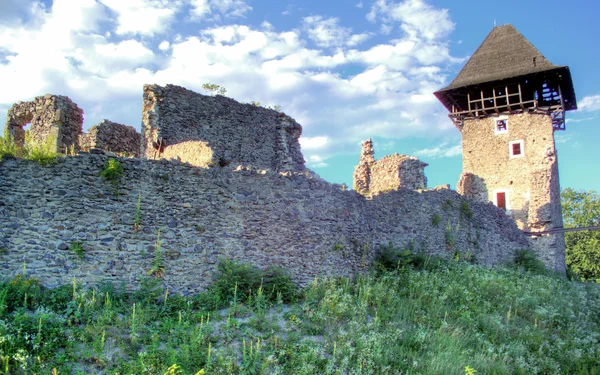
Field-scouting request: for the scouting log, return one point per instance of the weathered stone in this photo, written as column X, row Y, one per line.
column 528, row 183
column 210, row 131
column 54, row 116
column 391, row 172
column 110, row 136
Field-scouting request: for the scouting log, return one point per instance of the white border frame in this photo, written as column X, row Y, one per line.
column 500, row 118
column 510, row 149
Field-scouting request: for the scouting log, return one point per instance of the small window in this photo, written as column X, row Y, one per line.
column 501, row 126
column 501, row 199
column 515, row 149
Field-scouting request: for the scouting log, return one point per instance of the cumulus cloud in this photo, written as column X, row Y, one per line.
column 418, row 19
column 444, row 150
column 327, row 32
column 313, row 143
column 217, row 8
column 146, row 17
column 589, row 103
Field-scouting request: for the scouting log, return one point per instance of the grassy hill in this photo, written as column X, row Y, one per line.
column 427, row 317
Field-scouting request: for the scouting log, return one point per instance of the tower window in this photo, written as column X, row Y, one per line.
column 515, row 149
column 501, row 126
column 501, row 199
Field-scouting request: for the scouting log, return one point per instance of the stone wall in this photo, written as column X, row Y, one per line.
column 51, row 116
column 530, row 182
column 292, row 219
column 215, row 130
column 391, row 172
column 111, row 136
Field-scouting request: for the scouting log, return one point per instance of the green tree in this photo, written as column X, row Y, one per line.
column 214, row 89
column 582, row 209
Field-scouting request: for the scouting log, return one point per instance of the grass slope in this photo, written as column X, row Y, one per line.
column 451, row 318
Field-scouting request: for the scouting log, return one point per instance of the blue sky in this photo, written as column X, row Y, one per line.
column 345, row 70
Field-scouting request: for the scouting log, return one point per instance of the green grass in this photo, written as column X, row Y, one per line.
column 453, row 318
column 44, row 153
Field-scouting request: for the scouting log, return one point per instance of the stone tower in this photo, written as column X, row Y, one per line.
column 508, row 101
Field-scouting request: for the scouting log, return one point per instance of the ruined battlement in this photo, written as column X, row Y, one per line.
column 391, row 172
column 53, row 117
column 204, row 131
column 111, row 136
column 218, row 178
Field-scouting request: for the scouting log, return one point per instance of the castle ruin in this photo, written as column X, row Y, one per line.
column 113, row 137
column 391, row 172
column 52, row 117
column 215, row 130
column 221, row 179
column 507, row 101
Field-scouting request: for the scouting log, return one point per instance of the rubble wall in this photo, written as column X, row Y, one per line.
column 228, row 131
column 52, row 117
column 391, row 172
column 112, row 136
column 292, row 219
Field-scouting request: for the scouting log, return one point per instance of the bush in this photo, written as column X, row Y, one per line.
column 528, row 260
column 113, row 170
column 389, row 258
column 239, row 281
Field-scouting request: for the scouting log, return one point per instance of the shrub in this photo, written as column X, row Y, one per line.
column 113, row 170
column 390, row 258
column 77, row 249
column 7, row 148
column 43, row 153
column 235, row 280
column 528, row 260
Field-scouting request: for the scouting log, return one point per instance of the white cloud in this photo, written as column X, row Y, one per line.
column 313, row 143
column 216, row 8
column 316, row 161
column 444, row 150
column 146, row 17
column 417, row 18
column 589, row 103
column 164, row 45
column 328, row 32
column 130, row 50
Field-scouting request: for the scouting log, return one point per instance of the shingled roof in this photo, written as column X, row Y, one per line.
column 505, row 53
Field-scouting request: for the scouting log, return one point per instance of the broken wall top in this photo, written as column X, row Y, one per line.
column 49, row 115
column 208, row 130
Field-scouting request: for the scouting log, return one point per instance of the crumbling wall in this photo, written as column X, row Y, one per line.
column 391, row 172
column 215, row 130
column 52, row 117
column 530, row 182
column 111, row 136
column 292, row 219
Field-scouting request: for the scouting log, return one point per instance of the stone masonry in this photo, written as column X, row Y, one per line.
column 251, row 200
column 529, row 182
column 111, row 136
column 215, row 130
column 292, row 219
column 53, row 117
column 391, row 172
